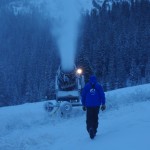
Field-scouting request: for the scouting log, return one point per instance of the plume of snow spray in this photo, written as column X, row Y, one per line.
column 66, row 18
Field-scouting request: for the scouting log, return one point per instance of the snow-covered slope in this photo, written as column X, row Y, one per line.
column 29, row 127
column 26, row 6
column 127, row 96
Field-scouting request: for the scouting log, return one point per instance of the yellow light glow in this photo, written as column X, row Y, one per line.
column 79, row 71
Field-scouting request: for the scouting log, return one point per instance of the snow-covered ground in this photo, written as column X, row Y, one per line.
column 125, row 125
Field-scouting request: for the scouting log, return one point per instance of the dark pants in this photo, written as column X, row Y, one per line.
column 92, row 118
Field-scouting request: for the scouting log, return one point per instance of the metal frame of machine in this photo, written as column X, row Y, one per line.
column 68, row 86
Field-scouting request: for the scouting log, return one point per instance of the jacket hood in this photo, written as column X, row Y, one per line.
column 93, row 79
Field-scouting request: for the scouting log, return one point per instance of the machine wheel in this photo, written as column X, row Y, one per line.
column 50, row 107
column 65, row 107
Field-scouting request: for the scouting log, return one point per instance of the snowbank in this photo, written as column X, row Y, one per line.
column 127, row 96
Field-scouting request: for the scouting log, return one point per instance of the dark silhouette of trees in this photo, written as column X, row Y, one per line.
column 113, row 44
column 119, row 48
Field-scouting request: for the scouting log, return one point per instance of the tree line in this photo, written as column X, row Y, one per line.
column 113, row 44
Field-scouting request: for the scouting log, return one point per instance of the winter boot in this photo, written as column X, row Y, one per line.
column 92, row 133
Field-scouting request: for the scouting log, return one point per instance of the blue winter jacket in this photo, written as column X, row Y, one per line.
column 90, row 99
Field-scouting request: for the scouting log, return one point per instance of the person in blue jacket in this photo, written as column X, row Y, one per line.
column 93, row 98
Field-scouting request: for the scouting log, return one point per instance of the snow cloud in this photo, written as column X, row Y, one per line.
column 66, row 18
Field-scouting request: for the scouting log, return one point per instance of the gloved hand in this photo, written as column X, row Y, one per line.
column 103, row 107
column 84, row 108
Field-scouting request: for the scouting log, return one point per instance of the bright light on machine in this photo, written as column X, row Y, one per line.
column 79, row 71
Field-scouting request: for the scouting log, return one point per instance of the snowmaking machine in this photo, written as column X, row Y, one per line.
column 68, row 86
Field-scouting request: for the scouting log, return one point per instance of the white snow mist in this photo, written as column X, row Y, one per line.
column 66, row 18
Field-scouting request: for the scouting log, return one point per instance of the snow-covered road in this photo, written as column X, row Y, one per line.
column 125, row 127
